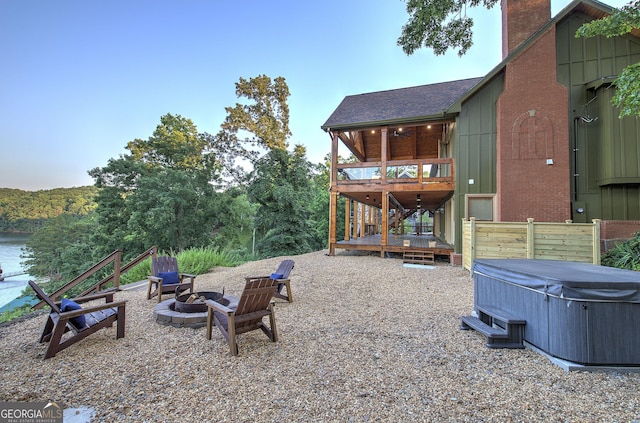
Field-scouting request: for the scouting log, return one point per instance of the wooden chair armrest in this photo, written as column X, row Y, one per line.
column 187, row 275
column 219, row 307
column 74, row 313
column 154, row 279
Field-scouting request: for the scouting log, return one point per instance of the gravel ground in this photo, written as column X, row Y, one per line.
column 365, row 340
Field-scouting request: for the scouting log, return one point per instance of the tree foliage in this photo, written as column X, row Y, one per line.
column 280, row 184
column 61, row 247
column 160, row 194
column 620, row 22
column 265, row 120
column 27, row 211
column 439, row 25
column 171, row 190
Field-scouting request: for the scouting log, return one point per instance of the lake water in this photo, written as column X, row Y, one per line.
column 10, row 249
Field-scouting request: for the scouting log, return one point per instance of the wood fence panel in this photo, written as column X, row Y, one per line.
column 545, row 240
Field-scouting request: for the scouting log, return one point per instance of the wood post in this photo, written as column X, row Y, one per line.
column 347, row 219
column 530, row 238
column 385, row 221
column 596, row 241
column 333, row 208
column 363, row 220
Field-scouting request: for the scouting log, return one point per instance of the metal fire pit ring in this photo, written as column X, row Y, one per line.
column 180, row 304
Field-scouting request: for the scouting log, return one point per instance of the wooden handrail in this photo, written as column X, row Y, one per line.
column 114, row 257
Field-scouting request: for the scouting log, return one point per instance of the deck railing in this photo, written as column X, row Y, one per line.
column 397, row 171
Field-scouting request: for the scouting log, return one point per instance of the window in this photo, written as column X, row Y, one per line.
column 480, row 206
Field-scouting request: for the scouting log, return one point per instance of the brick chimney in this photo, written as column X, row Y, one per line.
column 520, row 20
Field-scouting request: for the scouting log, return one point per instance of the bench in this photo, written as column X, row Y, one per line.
column 502, row 329
column 418, row 257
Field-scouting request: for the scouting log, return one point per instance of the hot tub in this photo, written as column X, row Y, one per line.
column 580, row 312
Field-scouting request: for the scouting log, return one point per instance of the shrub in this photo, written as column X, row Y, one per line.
column 625, row 255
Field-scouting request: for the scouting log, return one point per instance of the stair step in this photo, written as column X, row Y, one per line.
column 480, row 326
column 501, row 315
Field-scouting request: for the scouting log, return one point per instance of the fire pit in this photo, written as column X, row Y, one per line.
column 188, row 310
column 195, row 303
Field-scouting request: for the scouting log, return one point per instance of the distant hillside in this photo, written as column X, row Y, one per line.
column 26, row 211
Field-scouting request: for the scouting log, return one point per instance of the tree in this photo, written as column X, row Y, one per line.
column 440, row 25
column 280, row 184
column 443, row 24
column 266, row 120
column 60, row 247
column 160, row 194
column 620, row 22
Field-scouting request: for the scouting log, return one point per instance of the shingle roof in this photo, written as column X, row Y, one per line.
column 397, row 105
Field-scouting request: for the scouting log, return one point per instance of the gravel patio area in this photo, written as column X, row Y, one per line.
column 365, row 340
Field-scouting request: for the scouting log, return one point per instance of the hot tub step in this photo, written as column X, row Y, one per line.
column 496, row 336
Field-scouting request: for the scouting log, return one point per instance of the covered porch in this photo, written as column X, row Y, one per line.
column 398, row 166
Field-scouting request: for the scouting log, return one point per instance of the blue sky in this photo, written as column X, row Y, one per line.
column 79, row 79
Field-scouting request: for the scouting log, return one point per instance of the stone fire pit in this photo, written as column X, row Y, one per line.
column 188, row 310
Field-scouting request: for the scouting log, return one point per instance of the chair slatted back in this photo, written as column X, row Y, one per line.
column 285, row 268
column 256, row 296
column 44, row 297
column 164, row 264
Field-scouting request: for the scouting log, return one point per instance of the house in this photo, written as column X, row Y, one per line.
column 535, row 137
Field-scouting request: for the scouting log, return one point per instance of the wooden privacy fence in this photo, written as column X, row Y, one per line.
column 533, row 240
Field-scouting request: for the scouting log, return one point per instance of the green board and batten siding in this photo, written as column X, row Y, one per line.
column 474, row 148
column 606, row 151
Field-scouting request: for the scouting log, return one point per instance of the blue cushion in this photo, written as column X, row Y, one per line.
column 169, row 278
column 276, row 276
column 68, row 305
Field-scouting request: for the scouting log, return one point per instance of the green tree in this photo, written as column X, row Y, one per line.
column 27, row 211
column 439, row 25
column 160, row 194
column 280, row 185
column 620, row 22
column 235, row 227
column 265, row 119
column 444, row 24
column 60, row 247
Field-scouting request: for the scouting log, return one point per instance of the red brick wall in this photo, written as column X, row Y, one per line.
column 533, row 127
column 612, row 231
column 520, row 20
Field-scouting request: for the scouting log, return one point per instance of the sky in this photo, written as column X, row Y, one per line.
column 80, row 79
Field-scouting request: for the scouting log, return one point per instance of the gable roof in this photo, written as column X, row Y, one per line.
column 402, row 105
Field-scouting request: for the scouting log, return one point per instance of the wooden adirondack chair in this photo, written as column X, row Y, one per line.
column 283, row 271
column 96, row 317
column 245, row 314
column 158, row 284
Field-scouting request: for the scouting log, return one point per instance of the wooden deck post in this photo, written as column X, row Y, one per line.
column 383, row 158
column 385, row 222
column 355, row 220
column 363, row 220
column 333, row 207
column 347, row 219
